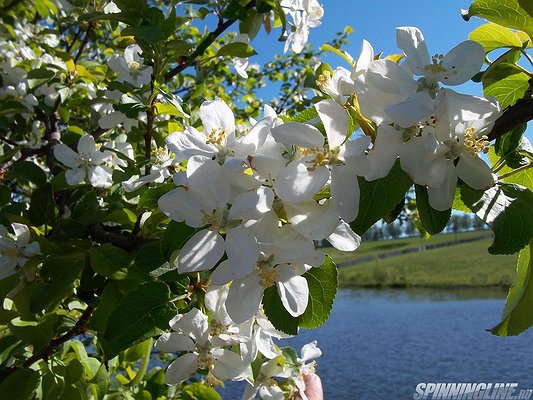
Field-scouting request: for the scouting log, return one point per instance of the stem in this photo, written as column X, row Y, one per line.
column 515, row 171
column 184, row 62
column 144, row 365
column 77, row 329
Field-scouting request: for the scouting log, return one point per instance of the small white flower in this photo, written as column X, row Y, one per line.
column 87, row 163
column 453, row 68
column 15, row 249
column 192, row 336
column 130, row 67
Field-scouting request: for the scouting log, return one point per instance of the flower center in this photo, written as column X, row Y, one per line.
column 436, row 65
column 206, row 361
column 85, row 160
column 323, row 156
column 474, row 144
column 217, row 137
column 217, row 328
column 12, row 252
column 216, row 219
column 161, row 154
column 134, row 66
column 268, row 275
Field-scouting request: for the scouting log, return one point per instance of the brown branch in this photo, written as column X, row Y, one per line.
column 185, row 62
column 76, row 330
column 514, row 116
column 124, row 241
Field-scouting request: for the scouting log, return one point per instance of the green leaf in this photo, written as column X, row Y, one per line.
column 199, row 391
column 506, row 83
column 20, row 384
column 58, row 275
column 493, row 36
column 8, row 344
column 517, row 315
column 27, row 171
column 150, row 196
column 508, row 210
column 36, row 333
column 433, row 221
column 42, row 206
column 276, row 312
column 175, row 236
column 508, row 142
column 143, row 312
column 323, row 283
column 522, row 177
column 380, row 197
column 108, row 303
column 251, row 24
column 110, row 261
column 236, row 49
column 151, row 262
column 510, row 13
column 38, row 77
column 87, row 210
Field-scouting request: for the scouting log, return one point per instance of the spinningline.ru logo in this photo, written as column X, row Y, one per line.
column 476, row 391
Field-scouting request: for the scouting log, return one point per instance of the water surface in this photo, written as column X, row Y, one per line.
column 379, row 344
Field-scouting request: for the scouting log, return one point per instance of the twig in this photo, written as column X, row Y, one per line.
column 76, row 330
column 126, row 242
column 184, row 62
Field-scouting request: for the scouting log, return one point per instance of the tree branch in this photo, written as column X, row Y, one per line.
column 184, row 62
column 76, row 330
column 124, row 241
column 515, row 115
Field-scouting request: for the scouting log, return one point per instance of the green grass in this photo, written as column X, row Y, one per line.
column 460, row 265
column 382, row 246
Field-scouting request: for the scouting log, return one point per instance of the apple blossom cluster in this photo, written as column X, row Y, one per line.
column 212, row 342
column 436, row 132
column 305, row 14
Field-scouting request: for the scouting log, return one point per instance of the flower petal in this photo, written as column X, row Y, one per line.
column 345, row 192
column 344, row 238
column 335, row 120
column 86, row 145
column 174, row 342
column 201, row 252
column 293, row 290
column 242, row 250
column 229, row 365
column 298, row 134
column 216, row 115
column 181, row 369
column 462, row 62
column 411, row 41
column 296, row 183
column 312, row 220
column 66, row 155
column 248, row 288
column 75, row 176
column 474, row 172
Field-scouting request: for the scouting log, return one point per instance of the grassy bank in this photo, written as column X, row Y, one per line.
column 459, row 265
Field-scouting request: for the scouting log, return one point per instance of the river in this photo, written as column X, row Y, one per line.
column 379, row 344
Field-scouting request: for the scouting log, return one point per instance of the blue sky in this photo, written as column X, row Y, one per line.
column 376, row 21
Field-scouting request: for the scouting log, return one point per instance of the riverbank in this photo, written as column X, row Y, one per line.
column 462, row 261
